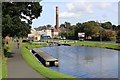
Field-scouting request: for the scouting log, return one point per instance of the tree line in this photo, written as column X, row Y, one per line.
column 93, row 30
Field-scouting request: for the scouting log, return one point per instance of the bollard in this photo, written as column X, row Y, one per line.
column 56, row 63
column 47, row 63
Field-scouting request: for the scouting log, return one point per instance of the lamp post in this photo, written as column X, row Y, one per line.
column 100, row 32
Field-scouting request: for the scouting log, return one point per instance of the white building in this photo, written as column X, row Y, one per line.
column 35, row 35
column 46, row 33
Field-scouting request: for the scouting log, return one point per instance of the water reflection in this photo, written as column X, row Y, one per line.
column 85, row 62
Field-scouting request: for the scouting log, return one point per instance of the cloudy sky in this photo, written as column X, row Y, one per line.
column 77, row 11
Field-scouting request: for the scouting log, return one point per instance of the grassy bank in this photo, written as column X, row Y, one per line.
column 107, row 45
column 7, row 51
column 4, row 67
column 31, row 60
column 97, row 44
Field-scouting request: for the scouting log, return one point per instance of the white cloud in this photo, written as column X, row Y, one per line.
column 103, row 5
column 76, row 9
column 69, row 15
column 70, row 6
column 80, row 0
column 80, row 7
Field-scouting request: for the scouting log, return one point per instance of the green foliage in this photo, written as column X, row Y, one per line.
column 118, row 34
column 91, row 29
column 12, row 15
column 107, row 35
column 7, row 49
column 7, row 53
column 4, row 67
column 107, row 25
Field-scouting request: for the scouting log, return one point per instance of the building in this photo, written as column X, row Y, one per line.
column 46, row 33
column 35, row 35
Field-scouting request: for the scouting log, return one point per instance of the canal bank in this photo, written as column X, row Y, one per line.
column 30, row 59
column 53, row 75
column 114, row 46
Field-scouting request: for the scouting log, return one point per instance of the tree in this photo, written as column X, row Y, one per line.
column 107, row 35
column 114, row 27
column 14, row 12
column 91, row 28
column 62, row 29
column 48, row 26
column 118, row 34
column 107, row 25
column 118, row 28
column 78, row 28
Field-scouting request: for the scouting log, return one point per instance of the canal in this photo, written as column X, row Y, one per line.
column 85, row 62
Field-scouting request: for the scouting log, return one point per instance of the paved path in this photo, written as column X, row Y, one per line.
column 18, row 68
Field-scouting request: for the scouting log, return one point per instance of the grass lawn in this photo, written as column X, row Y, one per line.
column 91, row 44
column 97, row 44
column 4, row 60
column 31, row 60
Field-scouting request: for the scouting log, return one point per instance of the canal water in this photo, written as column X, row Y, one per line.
column 85, row 62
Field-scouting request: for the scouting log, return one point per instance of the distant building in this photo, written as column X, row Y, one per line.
column 35, row 35
column 55, row 33
column 46, row 33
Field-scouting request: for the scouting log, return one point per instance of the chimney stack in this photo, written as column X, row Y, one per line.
column 57, row 19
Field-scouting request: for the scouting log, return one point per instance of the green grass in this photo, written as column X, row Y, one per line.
column 31, row 60
column 4, row 67
column 4, row 59
column 97, row 44
column 31, row 45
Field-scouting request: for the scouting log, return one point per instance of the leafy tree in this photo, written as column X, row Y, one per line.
column 107, row 34
column 107, row 25
column 14, row 12
column 118, row 34
column 62, row 28
column 67, row 25
column 118, row 27
column 48, row 26
column 114, row 27
column 90, row 28
column 78, row 28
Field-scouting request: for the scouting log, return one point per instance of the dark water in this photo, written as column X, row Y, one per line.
column 85, row 62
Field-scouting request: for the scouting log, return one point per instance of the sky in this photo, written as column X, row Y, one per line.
column 77, row 11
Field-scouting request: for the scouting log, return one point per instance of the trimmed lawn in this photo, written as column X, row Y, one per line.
column 97, row 44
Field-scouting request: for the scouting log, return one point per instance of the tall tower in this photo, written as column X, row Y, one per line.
column 57, row 19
